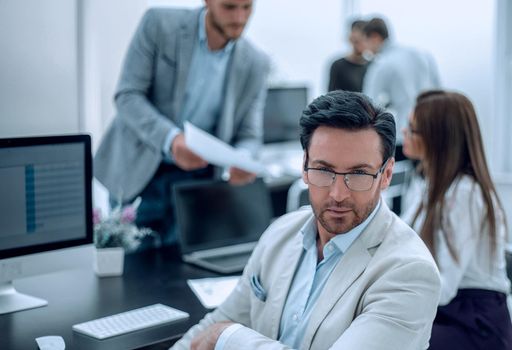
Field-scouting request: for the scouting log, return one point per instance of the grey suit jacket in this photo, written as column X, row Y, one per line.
column 150, row 93
column 382, row 294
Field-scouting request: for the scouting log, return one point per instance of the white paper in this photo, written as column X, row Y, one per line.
column 219, row 153
column 212, row 292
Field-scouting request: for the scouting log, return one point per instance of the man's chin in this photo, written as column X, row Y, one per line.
column 338, row 226
column 233, row 35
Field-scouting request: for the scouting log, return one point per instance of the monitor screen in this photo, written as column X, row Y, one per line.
column 45, row 193
column 45, row 211
column 283, row 108
column 213, row 214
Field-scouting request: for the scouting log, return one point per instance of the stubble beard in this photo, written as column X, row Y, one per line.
column 342, row 225
column 219, row 28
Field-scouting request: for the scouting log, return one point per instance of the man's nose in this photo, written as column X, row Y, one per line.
column 240, row 16
column 339, row 190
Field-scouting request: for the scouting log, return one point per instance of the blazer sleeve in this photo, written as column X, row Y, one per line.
column 396, row 310
column 135, row 82
column 249, row 134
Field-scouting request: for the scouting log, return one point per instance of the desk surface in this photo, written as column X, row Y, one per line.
column 76, row 296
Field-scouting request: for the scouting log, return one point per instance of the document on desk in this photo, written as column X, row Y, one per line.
column 212, row 292
column 219, row 153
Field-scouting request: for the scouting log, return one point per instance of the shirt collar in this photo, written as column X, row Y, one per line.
column 203, row 40
column 343, row 241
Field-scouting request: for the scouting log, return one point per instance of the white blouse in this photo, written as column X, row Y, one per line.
column 464, row 212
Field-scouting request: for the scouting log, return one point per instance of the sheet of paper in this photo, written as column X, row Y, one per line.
column 212, row 292
column 219, row 153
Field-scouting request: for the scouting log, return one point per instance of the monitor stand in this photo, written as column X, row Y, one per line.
column 11, row 300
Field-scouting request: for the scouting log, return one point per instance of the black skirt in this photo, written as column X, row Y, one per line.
column 474, row 319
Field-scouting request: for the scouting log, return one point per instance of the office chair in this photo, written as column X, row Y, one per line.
column 399, row 185
column 298, row 195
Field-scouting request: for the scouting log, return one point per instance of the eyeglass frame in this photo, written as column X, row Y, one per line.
column 411, row 130
column 335, row 174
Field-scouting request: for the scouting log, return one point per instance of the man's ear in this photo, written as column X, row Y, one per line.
column 387, row 174
column 304, row 173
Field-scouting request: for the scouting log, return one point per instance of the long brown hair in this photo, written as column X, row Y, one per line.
column 448, row 126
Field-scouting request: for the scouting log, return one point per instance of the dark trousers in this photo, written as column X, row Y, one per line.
column 156, row 209
column 475, row 319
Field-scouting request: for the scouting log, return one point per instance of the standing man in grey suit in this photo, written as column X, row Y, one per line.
column 182, row 65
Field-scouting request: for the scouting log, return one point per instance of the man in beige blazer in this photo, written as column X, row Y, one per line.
column 345, row 273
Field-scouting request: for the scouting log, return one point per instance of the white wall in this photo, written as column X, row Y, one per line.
column 38, row 67
column 302, row 37
column 105, row 36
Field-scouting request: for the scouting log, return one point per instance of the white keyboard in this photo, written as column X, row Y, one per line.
column 130, row 321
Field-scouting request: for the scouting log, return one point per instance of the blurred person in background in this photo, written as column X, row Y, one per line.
column 347, row 72
column 396, row 75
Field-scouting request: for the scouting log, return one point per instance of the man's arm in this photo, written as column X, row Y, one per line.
column 249, row 132
column 135, row 82
column 397, row 312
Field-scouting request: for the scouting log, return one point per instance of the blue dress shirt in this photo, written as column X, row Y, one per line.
column 205, row 86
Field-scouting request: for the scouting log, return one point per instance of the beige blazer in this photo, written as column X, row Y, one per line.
column 383, row 293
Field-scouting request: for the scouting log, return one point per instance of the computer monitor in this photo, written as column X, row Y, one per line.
column 45, row 211
column 283, row 108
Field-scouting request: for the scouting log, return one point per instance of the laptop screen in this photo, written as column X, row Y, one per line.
column 214, row 214
column 283, row 109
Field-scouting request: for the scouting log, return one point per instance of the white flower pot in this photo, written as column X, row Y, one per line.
column 108, row 262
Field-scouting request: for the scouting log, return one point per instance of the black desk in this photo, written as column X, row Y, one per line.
column 76, row 296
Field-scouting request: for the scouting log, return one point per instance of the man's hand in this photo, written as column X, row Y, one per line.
column 207, row 339
column 184, row 157
column 240, row 177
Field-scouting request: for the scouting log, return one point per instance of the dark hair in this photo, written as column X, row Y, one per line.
column 448, row 126
column 376, row 26
column 351, row 111
column 358, row 24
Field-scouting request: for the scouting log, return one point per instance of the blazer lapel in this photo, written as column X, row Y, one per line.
column 232, row 84
column 351, row 265
column 283, row 283
column 187, row 38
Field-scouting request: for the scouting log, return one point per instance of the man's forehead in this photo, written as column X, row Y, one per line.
column 346, row 148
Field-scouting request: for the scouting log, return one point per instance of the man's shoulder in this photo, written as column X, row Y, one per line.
column 252, row 53
column 403, row 245
column 167, row 17
column 288, row 224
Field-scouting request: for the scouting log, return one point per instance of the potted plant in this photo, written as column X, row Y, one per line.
column 113, row 236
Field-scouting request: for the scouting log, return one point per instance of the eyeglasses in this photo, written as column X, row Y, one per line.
column 411, row 130
column 355, row 181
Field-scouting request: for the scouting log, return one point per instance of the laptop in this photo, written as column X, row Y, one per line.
column 219, row 224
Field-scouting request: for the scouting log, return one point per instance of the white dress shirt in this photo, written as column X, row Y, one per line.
column 477, row 267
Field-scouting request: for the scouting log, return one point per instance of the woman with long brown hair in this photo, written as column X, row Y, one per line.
column 461, row 220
